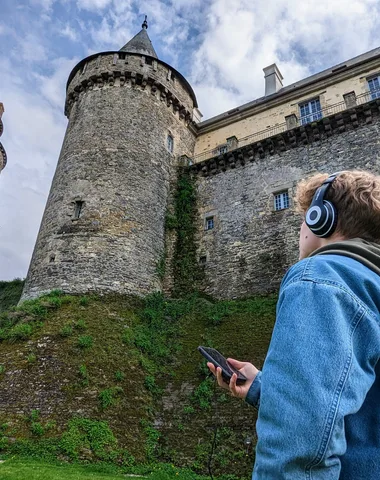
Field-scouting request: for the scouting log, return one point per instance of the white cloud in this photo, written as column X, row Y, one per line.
column 45, row 4
column 243, row 37
column 93, row 5
column 69, row 33
column 53, row 87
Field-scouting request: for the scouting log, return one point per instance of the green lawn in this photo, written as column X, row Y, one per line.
column 31, row 470
column 25, row 469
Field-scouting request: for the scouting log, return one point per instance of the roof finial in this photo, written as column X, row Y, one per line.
column 145, row 24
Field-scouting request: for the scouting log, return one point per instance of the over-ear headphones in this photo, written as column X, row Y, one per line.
column 322, row 216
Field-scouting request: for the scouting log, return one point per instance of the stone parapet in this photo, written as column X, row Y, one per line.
column 125, row 70
column 303, row 135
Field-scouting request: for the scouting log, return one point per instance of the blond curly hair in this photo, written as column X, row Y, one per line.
column 356, row 196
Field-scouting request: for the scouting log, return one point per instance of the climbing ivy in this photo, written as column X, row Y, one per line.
column 187, row 273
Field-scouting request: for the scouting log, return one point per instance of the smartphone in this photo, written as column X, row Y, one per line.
column 218, row 360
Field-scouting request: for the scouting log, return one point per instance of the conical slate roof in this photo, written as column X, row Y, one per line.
column 140, row 43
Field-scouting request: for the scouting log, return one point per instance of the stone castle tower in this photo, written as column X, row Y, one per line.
column 130, row 116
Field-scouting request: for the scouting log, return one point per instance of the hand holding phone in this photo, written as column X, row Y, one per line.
column 218, row 360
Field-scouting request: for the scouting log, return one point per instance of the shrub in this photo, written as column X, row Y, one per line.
column 151, row 385
column 188, row 409
column 37, row 429
column 108, row 397
column 80, row 325
column 66, row 331
column 33, row 307
column 2, row 369
column 119, row 376
column 55, row 293
column 203, row 394
column 128, row 336
column 34, row 415
column 83, row 373
column 31, row 358
column 84, row 301
column 85, row 341
column 21, row 331
column 83, row 433
column 55, row 302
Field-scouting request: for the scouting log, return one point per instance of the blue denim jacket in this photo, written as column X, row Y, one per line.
column 318, row 394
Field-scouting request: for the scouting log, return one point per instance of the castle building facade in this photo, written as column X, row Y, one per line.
column 133, row 120
column 3, row 155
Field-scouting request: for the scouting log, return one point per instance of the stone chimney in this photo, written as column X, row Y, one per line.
column 273, row 79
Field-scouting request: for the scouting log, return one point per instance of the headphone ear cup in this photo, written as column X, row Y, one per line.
column 322, row 222
column 331, row 221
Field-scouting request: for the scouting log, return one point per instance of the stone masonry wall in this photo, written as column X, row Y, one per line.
column 115, row 160
column 251, row 245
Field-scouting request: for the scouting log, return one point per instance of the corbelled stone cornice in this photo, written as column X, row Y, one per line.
column 303, row 135
column 125, row 78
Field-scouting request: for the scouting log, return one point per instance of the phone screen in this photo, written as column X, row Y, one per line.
column 217, row 359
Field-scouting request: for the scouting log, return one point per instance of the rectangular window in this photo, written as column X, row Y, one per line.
column 209, row 225
column 202, row 260
column 281, row 200
column 122, row 56
column 310, row 111
column 148, row 61
column 170, row 143
column 78, row 208
column 221, row 149
column 374, row 87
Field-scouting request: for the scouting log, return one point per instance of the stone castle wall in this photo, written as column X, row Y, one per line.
column 251, row 245
column 115, row 160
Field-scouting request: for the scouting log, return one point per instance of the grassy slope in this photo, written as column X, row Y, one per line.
column 10, row 293
column 162, row 386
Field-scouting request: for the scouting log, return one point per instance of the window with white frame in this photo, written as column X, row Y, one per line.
column 310, row 111
column 170, row 143
column 209, row 223
column 374, row 87
column 281, row 200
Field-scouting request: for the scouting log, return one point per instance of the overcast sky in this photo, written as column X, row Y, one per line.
column 220, row 46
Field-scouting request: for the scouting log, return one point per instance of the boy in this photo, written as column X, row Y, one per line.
column 318, row 396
